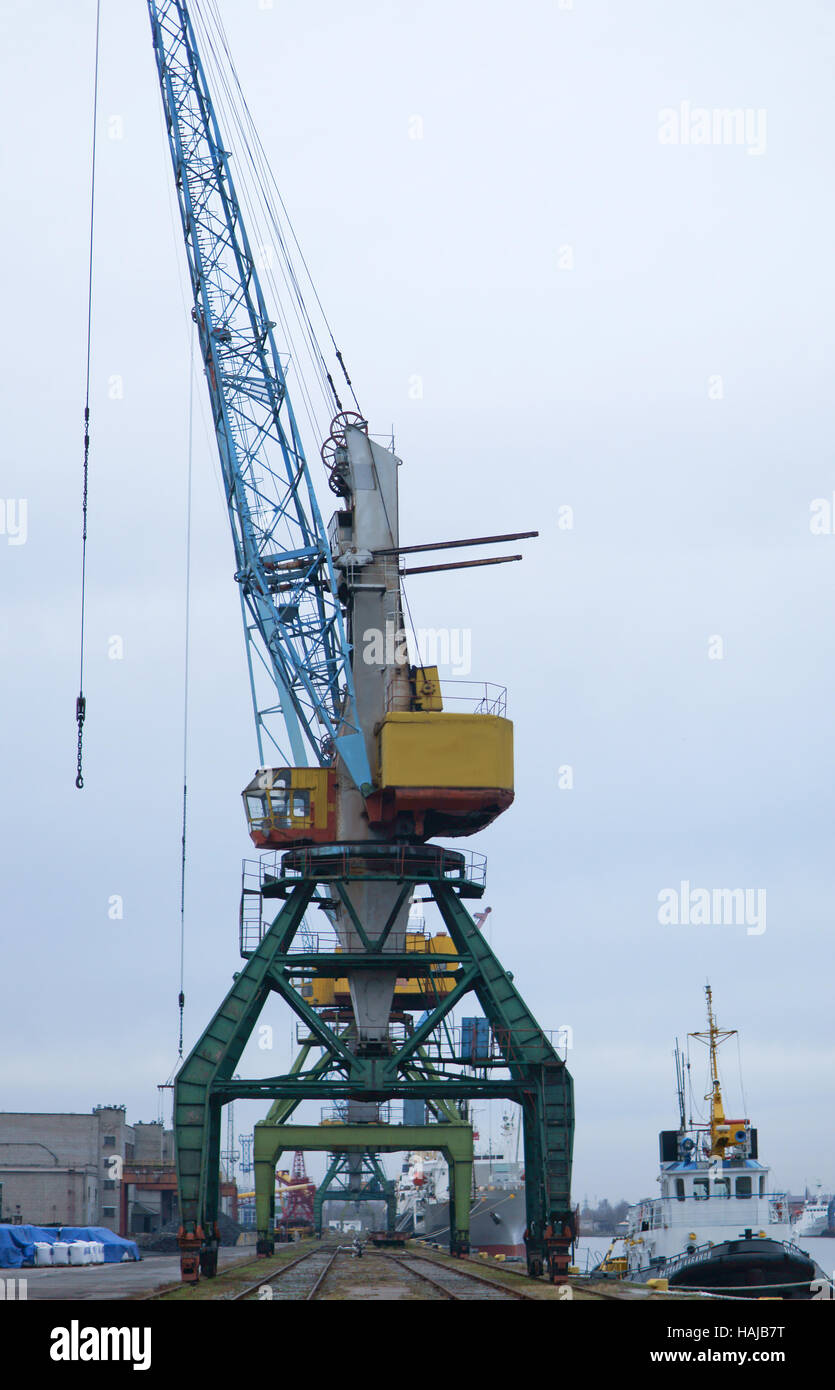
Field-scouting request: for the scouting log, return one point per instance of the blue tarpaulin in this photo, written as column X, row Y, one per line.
column 17, row 1243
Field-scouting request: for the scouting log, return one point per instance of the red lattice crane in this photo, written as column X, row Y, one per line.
column 299, row 1191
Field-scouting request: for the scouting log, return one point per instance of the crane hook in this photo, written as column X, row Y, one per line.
column 80, row 711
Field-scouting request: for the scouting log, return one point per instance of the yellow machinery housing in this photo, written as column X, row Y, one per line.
column 426, row 686
column 442, row 773
column 417, row 992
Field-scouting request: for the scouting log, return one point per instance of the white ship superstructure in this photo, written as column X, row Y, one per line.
column 497, row 1213
column 705, row 1201
column 423, row 1182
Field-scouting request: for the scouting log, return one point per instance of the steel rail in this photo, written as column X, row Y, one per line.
column 396, row 1260
column 315, row 1290
column 503, row 1289
column 278, row 1273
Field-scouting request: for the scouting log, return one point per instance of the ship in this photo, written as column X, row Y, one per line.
column 718, row 1225
column 497, row 1212
column 816, row 1216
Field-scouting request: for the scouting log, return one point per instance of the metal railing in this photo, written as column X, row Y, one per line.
column 371, row 860
column 255, row 918
column 338, row 1114
column 483, row 697
column 479, row 697
column 503, row 1045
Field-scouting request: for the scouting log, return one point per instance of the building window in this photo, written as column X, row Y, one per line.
column 109, row 1141
column 680, row 1189
column 108, row 1211
column 743, row 1187
column 109, row 1185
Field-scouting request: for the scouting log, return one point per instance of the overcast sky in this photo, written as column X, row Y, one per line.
column 606, row 311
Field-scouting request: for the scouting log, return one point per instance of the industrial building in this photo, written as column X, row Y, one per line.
column 86, row 1170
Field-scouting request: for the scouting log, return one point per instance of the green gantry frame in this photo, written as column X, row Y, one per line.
column 532, row 1072
column 355, row 1177
column 454, row 1141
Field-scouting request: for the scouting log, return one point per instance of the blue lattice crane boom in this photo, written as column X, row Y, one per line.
column 292, row 615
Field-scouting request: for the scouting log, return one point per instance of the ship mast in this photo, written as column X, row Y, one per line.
column 682, row 1110
column 720, row 1133
column 717, row 1112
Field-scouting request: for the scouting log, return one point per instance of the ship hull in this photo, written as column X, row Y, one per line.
column 497, row 1223
column 809, row 1228
column 754, row 1268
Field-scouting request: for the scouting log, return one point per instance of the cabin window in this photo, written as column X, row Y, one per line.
column 301, row 804
column 721, row 1187
column 256, row 807
column 743, row 1187
column 762, row 1185
column 700, row 1191
column 680, row 1189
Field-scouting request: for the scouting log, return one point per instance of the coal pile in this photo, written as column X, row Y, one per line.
column 165, row 1241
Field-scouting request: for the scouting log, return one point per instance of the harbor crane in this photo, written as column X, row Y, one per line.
column 362, row 765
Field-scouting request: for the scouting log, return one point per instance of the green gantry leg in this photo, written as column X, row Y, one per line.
column 322, row 1190
column 197, row 1113
column 546, row 1093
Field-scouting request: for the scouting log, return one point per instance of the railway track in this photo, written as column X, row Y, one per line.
column 300, row 1280
column 458, row 1284
column 305, row 1278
